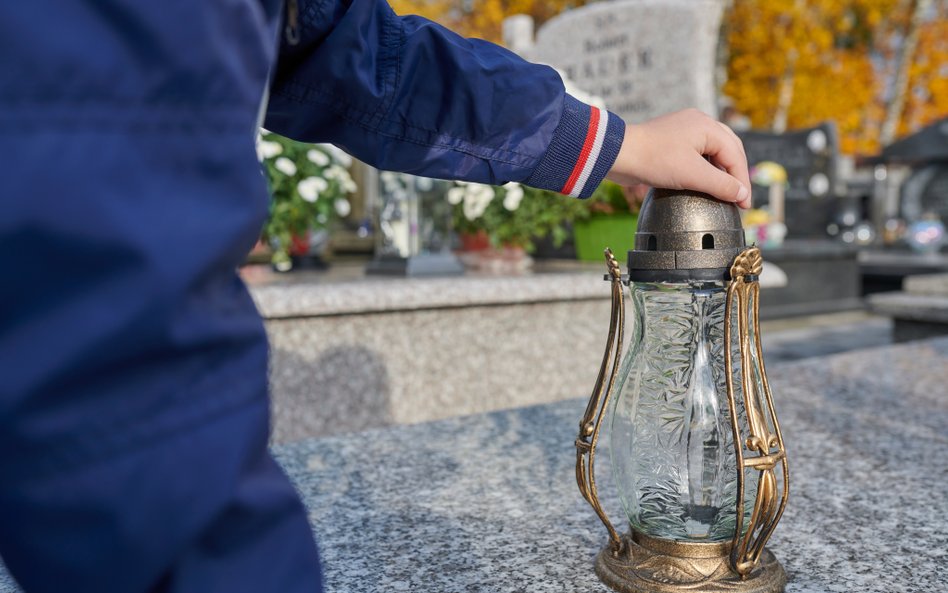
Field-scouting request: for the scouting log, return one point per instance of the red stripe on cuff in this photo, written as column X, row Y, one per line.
column 584, row 153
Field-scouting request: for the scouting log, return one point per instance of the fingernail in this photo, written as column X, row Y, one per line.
column 743, row 194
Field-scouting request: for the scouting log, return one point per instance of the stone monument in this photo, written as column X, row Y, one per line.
column 810, row 157
column 642, row 57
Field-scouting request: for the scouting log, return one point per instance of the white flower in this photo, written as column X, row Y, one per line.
column 267, row 149
column 343, row 208
column 285, row 166
column 317, row 157
column 310, row 188
column 424, row 183
column 455, row 195
column 477, row 197
column 513, row 196
column 336, row 172
column 283, row 265
column 345, row 180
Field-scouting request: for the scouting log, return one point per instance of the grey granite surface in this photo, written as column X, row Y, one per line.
column 797, row 338
column 368, row 295
column 904, row 305
column 924, row 298
column 927, row 284
column 336, row 374
column 895, row 260
column 488, row 503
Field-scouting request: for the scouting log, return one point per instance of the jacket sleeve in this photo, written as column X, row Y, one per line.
column 405, row 94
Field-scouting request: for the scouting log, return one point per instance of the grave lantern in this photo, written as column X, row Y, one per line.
column 697, row 453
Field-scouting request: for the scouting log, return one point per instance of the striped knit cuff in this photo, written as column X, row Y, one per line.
column 585, row 145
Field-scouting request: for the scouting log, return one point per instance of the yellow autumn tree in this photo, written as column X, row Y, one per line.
column 482, row 18
column 927, row 98
column 795, row 63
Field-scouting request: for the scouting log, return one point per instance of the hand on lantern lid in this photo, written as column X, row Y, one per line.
column 685, row 150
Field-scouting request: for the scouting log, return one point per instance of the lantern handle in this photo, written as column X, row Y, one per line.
column 591, row 422
column 765, row 451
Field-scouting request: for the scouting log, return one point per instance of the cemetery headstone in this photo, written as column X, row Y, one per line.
column 809, row 157
column 925, row 192
column 644, row 58
column 517, row 32
column 927, row 145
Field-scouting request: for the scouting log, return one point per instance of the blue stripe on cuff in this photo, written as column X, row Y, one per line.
column 561, row 155
column 615, row 132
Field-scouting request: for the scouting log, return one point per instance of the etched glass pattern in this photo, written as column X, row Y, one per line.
column 671, row 437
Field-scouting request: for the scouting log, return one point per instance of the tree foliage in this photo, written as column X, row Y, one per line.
column 928, row 75
column 482, row 18
column 806, row 61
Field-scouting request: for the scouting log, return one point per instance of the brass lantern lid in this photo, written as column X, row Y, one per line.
column 684, row 236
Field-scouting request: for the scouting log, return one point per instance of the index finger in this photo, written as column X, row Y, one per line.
column 727, row 152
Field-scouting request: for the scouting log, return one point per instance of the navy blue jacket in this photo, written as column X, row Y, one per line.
column 133, row 407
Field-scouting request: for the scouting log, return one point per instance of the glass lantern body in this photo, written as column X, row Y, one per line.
column 672, row 441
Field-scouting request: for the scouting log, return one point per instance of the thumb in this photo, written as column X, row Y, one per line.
column 707, row 178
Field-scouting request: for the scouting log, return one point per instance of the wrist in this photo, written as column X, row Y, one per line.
column 623, row 170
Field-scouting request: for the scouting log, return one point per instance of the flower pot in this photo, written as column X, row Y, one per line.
column 299, row 245
column 478, row 241
column 592, row 236
column 306, row 251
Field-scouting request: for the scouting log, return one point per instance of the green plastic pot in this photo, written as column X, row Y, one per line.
column 616, row 231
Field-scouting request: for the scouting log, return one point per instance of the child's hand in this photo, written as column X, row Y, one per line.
column 669, row 151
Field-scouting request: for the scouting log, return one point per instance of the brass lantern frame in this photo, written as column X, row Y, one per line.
column 637, row 563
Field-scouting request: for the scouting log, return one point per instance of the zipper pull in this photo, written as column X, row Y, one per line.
column 292, row 30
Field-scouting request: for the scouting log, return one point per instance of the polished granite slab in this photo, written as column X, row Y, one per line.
column 488, row 503
column 345, row 290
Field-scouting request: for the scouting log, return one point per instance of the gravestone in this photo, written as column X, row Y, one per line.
column 926, row 192
column 926, row 189
column 810, row 159
column 518, row 33
column 644, row 58
column 927, row 145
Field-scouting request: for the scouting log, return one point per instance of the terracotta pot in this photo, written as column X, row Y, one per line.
column 299, row 244
column 478, row 241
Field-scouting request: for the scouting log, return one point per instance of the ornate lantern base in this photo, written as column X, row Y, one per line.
column 651, row 565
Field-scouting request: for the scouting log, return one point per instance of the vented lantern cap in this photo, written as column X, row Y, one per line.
column 684, row 236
